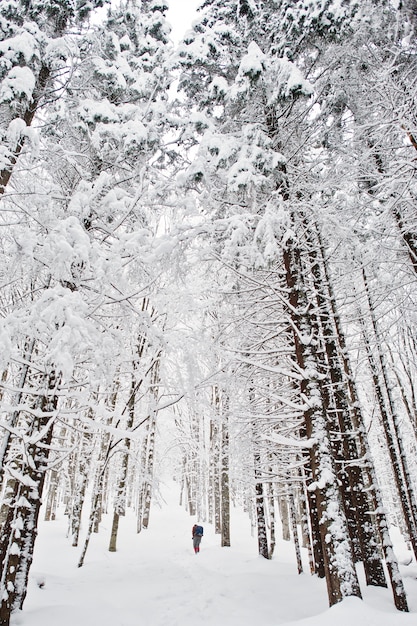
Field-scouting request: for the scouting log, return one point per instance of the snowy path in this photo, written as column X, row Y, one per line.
column 155, row 579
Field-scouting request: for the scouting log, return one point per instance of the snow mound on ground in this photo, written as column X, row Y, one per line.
column 354, row 612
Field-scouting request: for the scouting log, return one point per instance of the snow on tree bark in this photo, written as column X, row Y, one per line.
column 339, row 566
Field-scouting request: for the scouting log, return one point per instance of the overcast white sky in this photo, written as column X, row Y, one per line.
column 181, row 14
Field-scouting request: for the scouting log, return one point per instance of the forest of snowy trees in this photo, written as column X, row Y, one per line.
column 209, row 252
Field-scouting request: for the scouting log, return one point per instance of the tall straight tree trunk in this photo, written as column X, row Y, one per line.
column 215, row 456
column 339, row 566
column 362, row 532
column 202, row 469
column 120, row 499
column 312, row 514
column 6, row 438
column 225, row 487
column 20, row 528
column 190, row 486
column 376, row 508
column 260, row 496
column 285, row 518
column 80, row 480
column 391, row 427
column 53, row 483
column 307, row 538
column 263, row 548
column 271, row 506
column 147, row 493
column 52, row 499
column 95, row 504
column 142, row 486
column 294, row 528
column 191, row 468
column 150, row 460
column 99, row 480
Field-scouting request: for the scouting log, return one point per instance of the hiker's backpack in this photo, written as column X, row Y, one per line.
column 199, row 531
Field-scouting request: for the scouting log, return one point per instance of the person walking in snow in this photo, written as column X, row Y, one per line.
column 197, row 533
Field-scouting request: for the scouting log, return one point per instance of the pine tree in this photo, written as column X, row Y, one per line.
column 253, row 134
column 35, row 51
column 86, row 225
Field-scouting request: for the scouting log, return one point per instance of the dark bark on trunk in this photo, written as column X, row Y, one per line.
column 215, row 462
column 260, row 514
column 189, row 482
column 375, row 511
column 362, row 532
column 41, row 83
column 294, row 528
column 150, row 460
column 225, row 487
column 94, row 512
column 6, row 439
column 307, row 538
column 271, row 506
column 120, row 499
column 391, row 427
column 20, row 529
column 311, row 511
column 339, row 567
column 409, row 237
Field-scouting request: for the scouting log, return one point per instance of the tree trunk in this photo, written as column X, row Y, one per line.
column 295, row 532
column 271, row 506
column 94, row 510
column 215, row 455
column 375, row 509
column 260, row 499
column 51, row 502
column 391, row 427
column 260, row 517
column 99, row 481
column 285, row 518
column 150, row 460
column 6, row 438
column 307, row 541
column 120, row 498
column 339, row 566
column 20, row 528
column 225, row 487
column 29, row 114
column 356, row 502
column 80, row 481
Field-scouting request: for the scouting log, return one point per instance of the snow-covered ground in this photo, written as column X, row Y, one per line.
column 155, row 579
